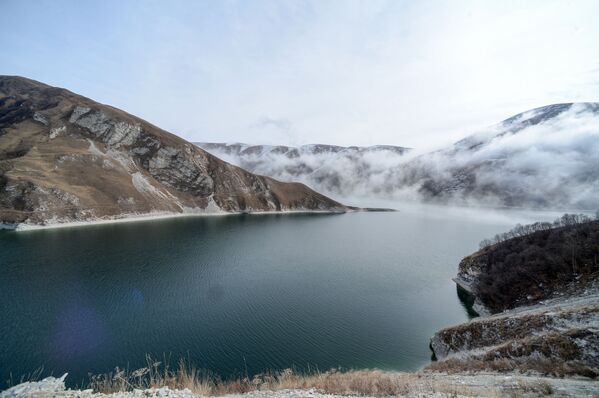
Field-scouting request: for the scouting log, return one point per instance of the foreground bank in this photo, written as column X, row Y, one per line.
column 538, row 288
column 331, row 384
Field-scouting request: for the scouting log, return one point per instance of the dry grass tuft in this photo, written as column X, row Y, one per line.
column 159, row 374
column 34, row 376
column 377, row 383
column 356, row 382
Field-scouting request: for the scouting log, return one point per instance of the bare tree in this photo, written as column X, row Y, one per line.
column 523, row 230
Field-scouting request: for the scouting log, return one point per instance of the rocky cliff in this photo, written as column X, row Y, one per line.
column 557, row 338
column 66, row 158
column 544, row 291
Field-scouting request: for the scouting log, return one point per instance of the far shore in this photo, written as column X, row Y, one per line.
column 20, row 227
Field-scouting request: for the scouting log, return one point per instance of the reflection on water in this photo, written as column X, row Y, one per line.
column 467, row 301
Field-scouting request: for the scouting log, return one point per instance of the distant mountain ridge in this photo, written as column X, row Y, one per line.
column 547, row 157
column 66, row 158
column 516, row 123
column 341, row 171
column 241, row 149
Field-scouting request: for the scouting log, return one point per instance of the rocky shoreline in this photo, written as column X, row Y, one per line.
column 549, row 327
column 126, row 218
column 559, row 338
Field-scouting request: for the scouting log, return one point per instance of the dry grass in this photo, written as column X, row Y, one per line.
column 554, row 354
column 355, row 382
column 523, row 365
column 36, row 375
column 156, row 375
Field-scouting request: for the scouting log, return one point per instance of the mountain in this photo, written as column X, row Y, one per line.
column 340, row 171
column 66, row 158
column 547, row 157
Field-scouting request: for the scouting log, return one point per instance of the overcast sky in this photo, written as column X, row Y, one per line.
column 411, row 73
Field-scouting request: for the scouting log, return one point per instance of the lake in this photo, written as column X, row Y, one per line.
column 238, row 294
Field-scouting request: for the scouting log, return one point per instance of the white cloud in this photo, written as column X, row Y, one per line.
column 551, row 164
column 418, row 74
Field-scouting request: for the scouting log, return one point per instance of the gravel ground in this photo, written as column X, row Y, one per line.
column 489, row 385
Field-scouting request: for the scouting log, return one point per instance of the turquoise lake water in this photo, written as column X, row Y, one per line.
column 237, row 294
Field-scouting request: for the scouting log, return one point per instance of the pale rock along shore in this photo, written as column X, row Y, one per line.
column 126, row 218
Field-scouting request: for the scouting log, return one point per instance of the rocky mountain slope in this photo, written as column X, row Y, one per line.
column 66, row 158
column 339, row 171
column 544, row 291
column 546, row 158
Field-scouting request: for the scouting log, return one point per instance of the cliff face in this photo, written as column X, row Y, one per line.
column 558, row 338
column 547, row 285
column 469, row 271
column 64, row 157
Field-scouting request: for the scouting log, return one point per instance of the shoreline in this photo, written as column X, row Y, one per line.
column 23, row 227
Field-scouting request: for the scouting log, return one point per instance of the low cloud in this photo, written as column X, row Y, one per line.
column 554, row 163
column 270, row 129
column 544, row 158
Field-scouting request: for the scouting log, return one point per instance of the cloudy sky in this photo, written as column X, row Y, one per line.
column 411, row 73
